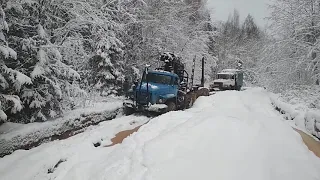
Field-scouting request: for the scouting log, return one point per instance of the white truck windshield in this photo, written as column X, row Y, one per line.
column 225, row 76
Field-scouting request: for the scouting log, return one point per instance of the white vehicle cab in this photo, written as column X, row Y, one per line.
column 228, row 79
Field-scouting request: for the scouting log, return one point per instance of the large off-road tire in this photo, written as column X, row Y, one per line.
column 203, row 92
column 190, row 103
column 190, row 99
column 171, row 106
column 128, row 111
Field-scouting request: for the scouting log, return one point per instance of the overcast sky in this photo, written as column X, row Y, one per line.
column 257, row 8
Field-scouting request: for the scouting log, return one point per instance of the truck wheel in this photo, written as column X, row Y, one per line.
column 171, row 106
column 190, row 103
column 128, row 111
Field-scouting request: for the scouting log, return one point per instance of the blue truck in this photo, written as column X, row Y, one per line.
column 164, row 89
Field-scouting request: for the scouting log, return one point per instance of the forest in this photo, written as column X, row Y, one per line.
column 54, row 53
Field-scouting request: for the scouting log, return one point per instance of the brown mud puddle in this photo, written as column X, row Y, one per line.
column 118, row 139
column 311, row 143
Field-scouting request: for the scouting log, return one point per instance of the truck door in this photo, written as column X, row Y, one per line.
column 175, row 85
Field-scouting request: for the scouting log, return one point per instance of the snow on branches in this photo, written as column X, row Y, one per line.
column 291, row 56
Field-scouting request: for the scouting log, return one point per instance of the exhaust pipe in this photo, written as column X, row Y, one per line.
column 202, row 76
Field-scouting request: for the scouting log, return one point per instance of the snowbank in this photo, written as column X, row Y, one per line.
column 25, row 136
column 306, row 119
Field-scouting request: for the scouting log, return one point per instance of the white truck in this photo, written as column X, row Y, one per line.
column 228, row 79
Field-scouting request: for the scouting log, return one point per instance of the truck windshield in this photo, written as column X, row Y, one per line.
column 157, row 78
column 225, row 76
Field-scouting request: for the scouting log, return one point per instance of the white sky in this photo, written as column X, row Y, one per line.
column 257, row 8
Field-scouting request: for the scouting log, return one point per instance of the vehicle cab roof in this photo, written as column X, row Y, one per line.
column 230, row 71
column 161, row 72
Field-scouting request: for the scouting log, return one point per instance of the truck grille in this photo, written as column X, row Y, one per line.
column 143, row 97
column 219, row 84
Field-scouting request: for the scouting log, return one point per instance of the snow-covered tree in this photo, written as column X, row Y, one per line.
column 292, row 57
column 98, row 53
column 181, row 27
column 11, row 80
column 39, row 59
column 249, row 28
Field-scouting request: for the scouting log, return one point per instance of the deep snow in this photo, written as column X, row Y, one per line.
column 230, row 135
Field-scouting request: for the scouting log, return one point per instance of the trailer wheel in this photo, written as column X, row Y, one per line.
column 171, row 106
column 190, row 103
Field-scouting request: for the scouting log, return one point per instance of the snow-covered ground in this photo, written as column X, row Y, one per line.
column 229, row 135
column 75, row 151
column 13, row 135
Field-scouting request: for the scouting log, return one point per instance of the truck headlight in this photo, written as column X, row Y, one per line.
column 161, row 100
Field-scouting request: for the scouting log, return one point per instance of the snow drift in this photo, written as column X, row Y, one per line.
column 305, row 118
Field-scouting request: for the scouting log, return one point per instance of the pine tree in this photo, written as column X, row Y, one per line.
column 11, row 80
column 249, row 28
column 40, row 60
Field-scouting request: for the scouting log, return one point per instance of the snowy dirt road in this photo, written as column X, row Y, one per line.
column 230, row 135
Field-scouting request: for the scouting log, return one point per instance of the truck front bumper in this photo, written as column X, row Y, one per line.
column 160, row 108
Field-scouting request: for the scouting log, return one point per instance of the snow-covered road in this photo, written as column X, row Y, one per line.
column 230, row 135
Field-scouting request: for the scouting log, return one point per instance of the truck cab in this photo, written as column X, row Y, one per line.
column 157, row 87
column 228, row 79
column 158, row 91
